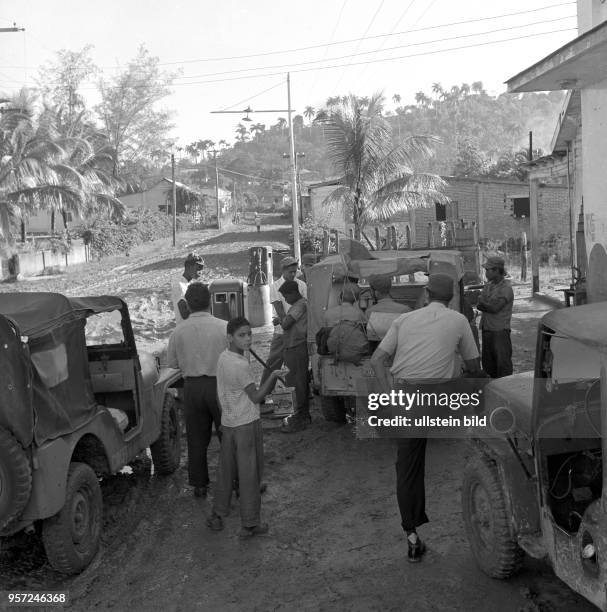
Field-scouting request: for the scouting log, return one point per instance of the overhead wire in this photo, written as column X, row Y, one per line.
column 359, row 42
column 331, row 38
column 248, row 99
column 296, row 66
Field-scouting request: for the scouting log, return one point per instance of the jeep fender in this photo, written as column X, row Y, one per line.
column 520, row 491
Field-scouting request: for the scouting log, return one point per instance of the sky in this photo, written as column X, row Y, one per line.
column 233, row 54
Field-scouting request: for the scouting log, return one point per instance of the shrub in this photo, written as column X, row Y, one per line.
column 310, row 235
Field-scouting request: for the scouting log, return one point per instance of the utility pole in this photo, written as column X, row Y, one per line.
column 533, row 226
column 214, row 152
column 289, row 110
column 296, row 249
column 174, row 199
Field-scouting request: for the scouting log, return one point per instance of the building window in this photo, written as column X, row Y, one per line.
column 520, row 207
column 446, row 212
column 441, row 211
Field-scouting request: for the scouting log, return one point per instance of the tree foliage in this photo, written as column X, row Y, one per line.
column 129, row 111
column 378, row 176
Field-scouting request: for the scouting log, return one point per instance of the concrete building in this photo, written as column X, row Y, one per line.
column 580, row 66
column 159, row 197
column 499, row 210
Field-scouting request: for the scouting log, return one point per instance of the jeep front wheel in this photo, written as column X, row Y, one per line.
column 486, row 519
column 166, row 451
column 71, row 537
column 333, row 408
column 15, row 478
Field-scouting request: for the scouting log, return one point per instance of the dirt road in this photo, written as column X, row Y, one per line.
column 335, row 542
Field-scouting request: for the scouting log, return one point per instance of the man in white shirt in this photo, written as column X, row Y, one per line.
column 424, row 343
column 192, row 268
column 281, row 307
column 194, row 348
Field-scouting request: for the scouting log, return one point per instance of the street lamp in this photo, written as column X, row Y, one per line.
column 289, row 110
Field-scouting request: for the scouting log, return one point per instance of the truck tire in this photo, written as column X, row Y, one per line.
column 71, row 537
column 333, row 408
column 486, row 518
column 166, row 451
column 15, row 478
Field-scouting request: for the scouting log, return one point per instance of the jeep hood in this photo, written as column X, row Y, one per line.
column 514, row 392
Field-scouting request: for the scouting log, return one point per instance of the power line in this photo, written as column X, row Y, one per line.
column 405, row 46
column 358, row 43
column 387, row 59
column 324, row 57
column 343, row 42
column 253, row 97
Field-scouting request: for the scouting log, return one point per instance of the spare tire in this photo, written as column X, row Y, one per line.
column 15, row 478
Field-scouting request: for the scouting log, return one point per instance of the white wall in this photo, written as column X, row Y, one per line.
column 590, row 13
column 594, row 186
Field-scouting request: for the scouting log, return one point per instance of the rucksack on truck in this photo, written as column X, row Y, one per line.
column 348, row 342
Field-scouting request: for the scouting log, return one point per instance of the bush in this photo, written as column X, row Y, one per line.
column 108, row 237
column 310, row 235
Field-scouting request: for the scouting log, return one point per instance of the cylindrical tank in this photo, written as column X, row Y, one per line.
column 260, row 265
column 260, row 308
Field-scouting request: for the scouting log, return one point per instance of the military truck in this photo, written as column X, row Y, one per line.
column 77, row 403
column 338, row 383
column 537, row 484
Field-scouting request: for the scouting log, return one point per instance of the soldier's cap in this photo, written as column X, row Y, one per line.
column 380, row 282
column 440, row 286
column 289, row 261
column 494, row 262
column 194, row 258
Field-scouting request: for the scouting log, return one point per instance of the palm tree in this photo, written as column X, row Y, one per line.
column 34, row 168
column 309, row 112
column 378, row 178
column 241, row 132
column 281, row 124
column 396, row 98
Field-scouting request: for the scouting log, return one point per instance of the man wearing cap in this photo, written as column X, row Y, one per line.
column 193, row 266
column 194, row 347
column 495, row 303
column 386, row 309
column 281, row 307
column 423, row 343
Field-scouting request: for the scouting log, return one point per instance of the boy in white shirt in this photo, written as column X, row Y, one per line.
column 241, row 454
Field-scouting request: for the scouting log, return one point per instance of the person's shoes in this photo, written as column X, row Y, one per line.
column 215, row 522
column 249, row 532
column 415, row 551
column 200, row 491
column 295, row 422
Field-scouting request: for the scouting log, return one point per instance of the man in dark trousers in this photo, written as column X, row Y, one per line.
column 423, row 343
column 495, row 302
column 194, row 348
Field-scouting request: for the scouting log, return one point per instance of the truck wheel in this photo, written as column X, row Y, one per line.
column 71, row 537
column 166, row 451
column 15, row 478
column 486, row 519
column 333, row 408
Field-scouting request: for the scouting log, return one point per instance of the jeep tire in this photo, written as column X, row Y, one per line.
column 15, row 478
column 166, row 451
column 333, row 408
column 71, row 537
column 486, row 518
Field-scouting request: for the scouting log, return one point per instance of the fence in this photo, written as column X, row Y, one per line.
column 33, row 263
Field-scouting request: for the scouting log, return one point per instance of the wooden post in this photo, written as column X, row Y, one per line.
column 393, row 243
column 535, row 238
column 377, row 238
column 325, row 243
column 336, row 241
column 524, row 257
column 388, row 238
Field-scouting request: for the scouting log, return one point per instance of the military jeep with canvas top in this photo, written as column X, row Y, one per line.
column 537, row 484
column 77, row 403
column 338, row 382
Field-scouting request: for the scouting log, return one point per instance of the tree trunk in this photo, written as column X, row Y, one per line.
column 52, row 221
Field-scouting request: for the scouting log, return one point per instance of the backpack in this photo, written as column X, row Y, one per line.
column 348, row 342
